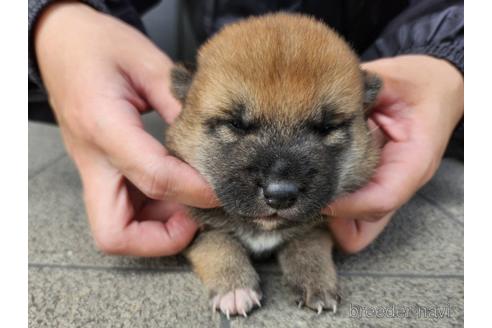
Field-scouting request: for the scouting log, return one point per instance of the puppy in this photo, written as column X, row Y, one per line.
column 274, row 117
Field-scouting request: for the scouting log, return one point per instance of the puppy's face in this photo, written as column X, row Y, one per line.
column 274, row 119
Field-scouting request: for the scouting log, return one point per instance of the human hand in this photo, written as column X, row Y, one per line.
column 101, row 74
column 420, row 104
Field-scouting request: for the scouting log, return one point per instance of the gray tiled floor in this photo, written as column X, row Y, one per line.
column 418, row 260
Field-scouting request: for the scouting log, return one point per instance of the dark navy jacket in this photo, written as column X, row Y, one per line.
column 374, row 28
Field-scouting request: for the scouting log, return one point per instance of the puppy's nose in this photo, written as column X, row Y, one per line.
column 280, row 194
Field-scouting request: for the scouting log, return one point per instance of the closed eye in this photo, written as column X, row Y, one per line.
column 235, row 125
column 237, row 120
column 326, row 128
column 239, row 126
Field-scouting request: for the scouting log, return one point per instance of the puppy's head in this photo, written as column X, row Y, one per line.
column 274, row 118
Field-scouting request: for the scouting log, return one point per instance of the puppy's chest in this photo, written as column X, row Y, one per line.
column 262, row 242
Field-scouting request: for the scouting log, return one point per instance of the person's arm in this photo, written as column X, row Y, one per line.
column 419, row 107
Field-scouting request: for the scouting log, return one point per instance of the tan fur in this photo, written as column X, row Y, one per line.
column 221, row 263
column 309, row 61
column 308, row 267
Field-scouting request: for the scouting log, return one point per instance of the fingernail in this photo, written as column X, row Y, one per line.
column 330, row 211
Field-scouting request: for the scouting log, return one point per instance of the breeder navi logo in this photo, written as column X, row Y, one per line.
column 400, row 311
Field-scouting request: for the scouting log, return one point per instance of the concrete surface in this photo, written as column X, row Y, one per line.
column 412, row 275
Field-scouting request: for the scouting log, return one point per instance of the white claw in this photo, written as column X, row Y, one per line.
column 256, row 300
column 244, row 314
column 227, row 315
column 320, row 308
column 334, row 307
column 300, row 304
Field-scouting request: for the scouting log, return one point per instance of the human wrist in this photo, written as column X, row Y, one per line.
column 56, row 19
column 60, row 42
column 36, row 9
column 446, row 90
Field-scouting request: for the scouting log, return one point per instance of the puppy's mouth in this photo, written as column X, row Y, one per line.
column 270, row 222
column 271, row 217
column 289, row 215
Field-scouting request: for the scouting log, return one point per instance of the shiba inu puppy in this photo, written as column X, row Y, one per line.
column 274, row 117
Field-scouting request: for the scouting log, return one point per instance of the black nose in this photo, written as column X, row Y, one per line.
column 281, row 194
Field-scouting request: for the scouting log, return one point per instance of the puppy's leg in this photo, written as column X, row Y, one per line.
column 224, row 267
column 308, row 267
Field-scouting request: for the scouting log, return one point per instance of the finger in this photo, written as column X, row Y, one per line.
column 157, row 210
column 153, row 80
column 377, row 134
column 112, row 217
column 108, row 204
column 396, row 126
column 352, row 236
column 157, row 238
column 148, row 209
column 147, row 164
column 158, row 94
column 396, row 179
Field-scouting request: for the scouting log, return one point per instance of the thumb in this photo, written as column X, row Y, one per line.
column 147, row 164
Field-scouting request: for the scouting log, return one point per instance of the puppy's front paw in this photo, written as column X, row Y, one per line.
column 318, row 298
column 239, row 301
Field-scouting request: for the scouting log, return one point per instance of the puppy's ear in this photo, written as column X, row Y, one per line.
column 181, row 78
column 372, row 86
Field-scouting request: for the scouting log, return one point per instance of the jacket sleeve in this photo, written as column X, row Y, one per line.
column 35, row 9
column 430, row 27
